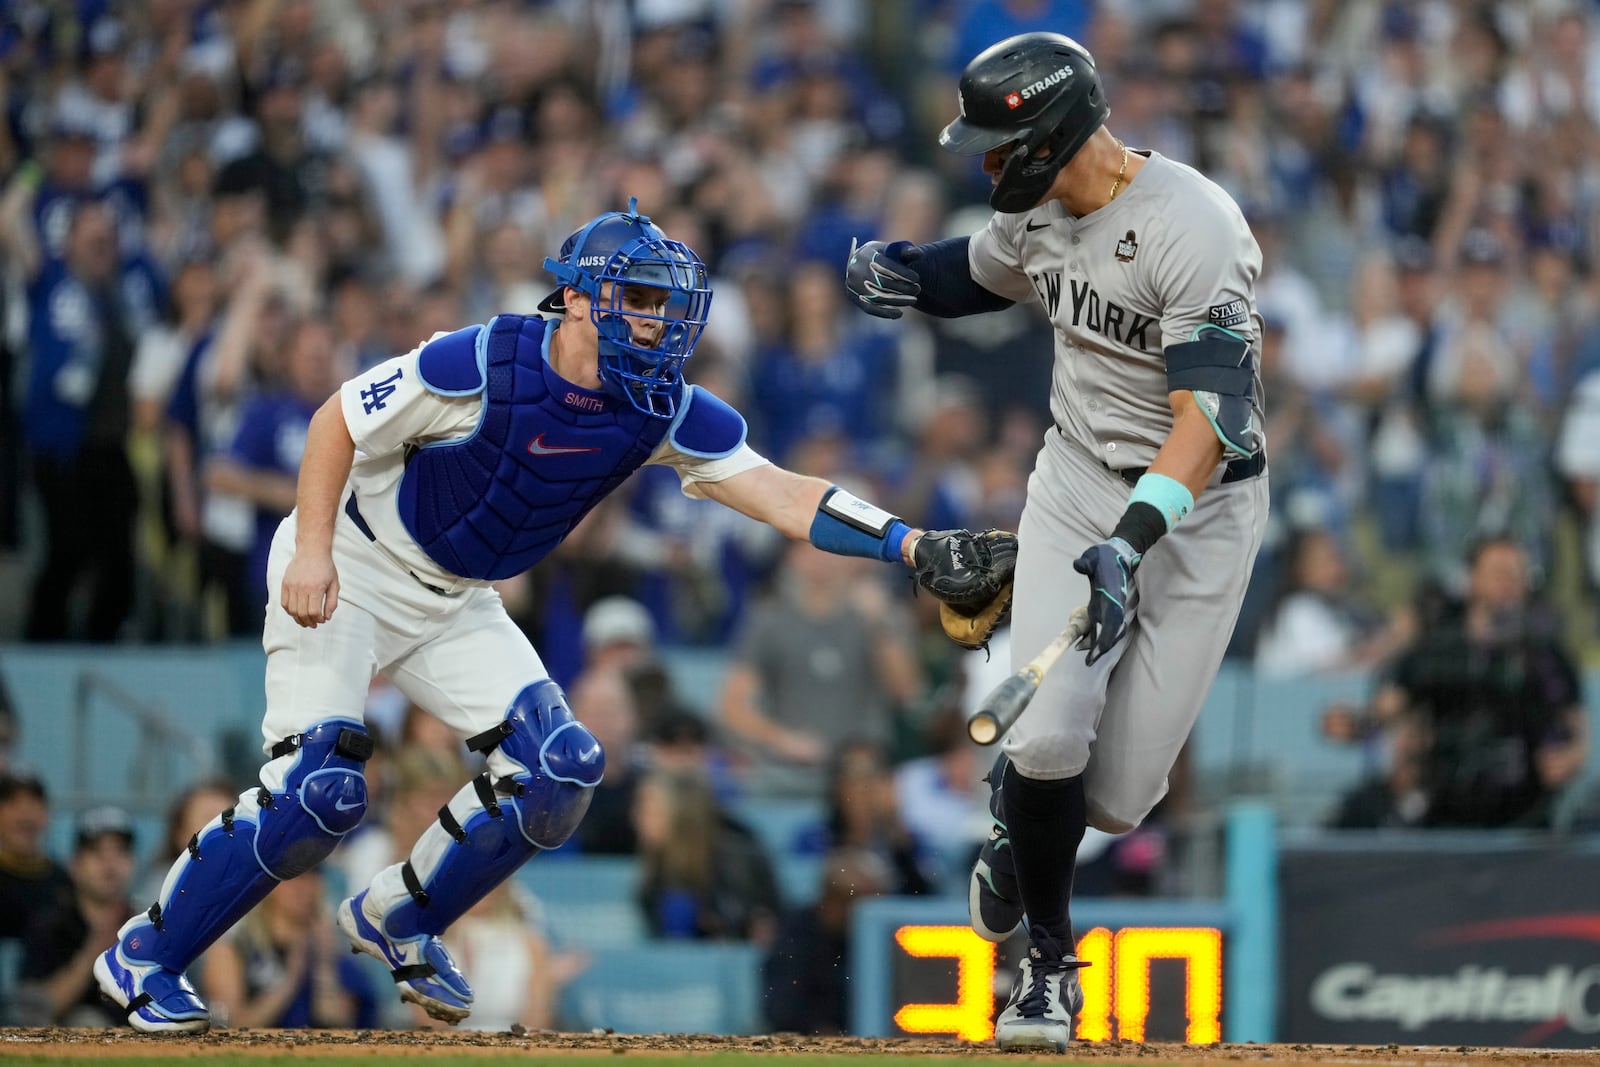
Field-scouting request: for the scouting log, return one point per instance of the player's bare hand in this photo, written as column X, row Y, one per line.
column 310, row 588
column 879, row 279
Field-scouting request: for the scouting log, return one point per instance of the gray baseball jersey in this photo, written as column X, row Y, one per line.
column 1171, row 254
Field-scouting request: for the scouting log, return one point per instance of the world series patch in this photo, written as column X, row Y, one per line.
column 1127, row 248
column 1233, row 313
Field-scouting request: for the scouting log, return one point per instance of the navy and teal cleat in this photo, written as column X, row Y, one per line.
column 422, row 968
column 994, row 900
column 156, row 1000
column 1044, row 999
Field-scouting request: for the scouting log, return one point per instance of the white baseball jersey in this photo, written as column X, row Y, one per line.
column 1170, row 254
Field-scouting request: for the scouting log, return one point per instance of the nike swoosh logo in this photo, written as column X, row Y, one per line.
column 588, row 754
column 1041, row 226
column 339, row 805
column 537, row 447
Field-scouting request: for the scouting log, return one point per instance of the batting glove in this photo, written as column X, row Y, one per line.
column 877, row 276
column 1109, row 566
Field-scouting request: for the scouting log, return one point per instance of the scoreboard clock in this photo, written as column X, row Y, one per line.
column 1156, row 970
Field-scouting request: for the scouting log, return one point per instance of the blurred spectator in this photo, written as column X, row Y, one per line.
column 202, row 414
column 61, row 944
column 1486, row 711
column 604, row 702
column 807, row 973
column 697, row 561
column 863, row 812
column 817, row 377
column 76, row 420
column 1578, row 460
column 942, row 483
column 1315, row 624
column 979, row 23
column 291, row 175
column 262, row 464
column 941, row 797
column 1487, row 473
column 702, row 873
column 618, row 635
column 824, row 660
column 680, row 742
column 186, row 817
column 518, row 976
column 30, row 880
column 280, row 968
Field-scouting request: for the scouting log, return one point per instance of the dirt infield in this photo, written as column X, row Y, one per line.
column 59, row 1043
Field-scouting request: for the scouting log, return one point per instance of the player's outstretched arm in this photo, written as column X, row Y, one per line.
column 310, row 589
column 970, row 573
column 883, row 282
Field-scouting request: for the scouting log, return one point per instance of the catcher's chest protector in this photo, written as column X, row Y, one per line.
column 493, row 504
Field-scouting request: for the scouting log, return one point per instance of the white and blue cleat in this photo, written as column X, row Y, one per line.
column 156, row 1000
column 422, row 968
column 1044, row 998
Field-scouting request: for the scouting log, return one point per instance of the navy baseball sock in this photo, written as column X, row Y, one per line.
column 1045, row 821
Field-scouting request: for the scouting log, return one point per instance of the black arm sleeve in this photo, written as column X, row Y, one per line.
column 948, row 289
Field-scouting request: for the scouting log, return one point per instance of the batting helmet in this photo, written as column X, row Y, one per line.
column 1038, row 90
column 625, row 249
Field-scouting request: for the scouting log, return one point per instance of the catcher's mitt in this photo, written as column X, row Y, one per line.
column 970, row 573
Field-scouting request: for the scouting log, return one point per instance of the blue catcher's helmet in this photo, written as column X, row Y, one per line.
column 626, row 249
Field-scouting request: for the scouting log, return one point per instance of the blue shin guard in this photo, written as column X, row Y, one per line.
column 544, row 765
column 304, row 807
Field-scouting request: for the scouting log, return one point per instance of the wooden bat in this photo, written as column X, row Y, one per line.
column 1007, row 700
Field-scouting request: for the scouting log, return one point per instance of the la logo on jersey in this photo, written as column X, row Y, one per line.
column 376, row 395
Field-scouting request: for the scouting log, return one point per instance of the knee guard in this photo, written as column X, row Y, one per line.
column 270, row 835
column 494, row 825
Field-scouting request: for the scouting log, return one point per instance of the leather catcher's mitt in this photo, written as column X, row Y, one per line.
column 971, row 574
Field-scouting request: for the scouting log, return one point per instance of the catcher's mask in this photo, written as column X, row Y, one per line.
column 628, row 251
column 1038, row 92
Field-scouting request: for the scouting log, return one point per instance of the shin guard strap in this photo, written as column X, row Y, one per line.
column 408, row 875
column 491, row 738
column 451, row 826
column 485, row 790
column 414, row 970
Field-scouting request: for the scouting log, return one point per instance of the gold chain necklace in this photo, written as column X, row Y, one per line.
column 1121, row 170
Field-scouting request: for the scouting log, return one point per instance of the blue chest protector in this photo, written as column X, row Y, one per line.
column 495, row 503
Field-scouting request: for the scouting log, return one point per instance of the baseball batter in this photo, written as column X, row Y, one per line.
column 424, row 480
column 1151, row 483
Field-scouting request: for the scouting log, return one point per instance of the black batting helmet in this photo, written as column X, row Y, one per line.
column 1039, row 90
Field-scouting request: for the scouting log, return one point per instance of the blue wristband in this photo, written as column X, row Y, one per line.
column 1167, row 495
column 848, row 526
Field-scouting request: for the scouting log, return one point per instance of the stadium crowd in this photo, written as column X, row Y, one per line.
column 213, row 211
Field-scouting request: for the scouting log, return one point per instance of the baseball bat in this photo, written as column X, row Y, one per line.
column 1006, row 701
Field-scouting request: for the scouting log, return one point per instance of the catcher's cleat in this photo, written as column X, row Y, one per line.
column 994, row 900
column 1038, row 1017
column 155, row 1000
column 422, row 967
